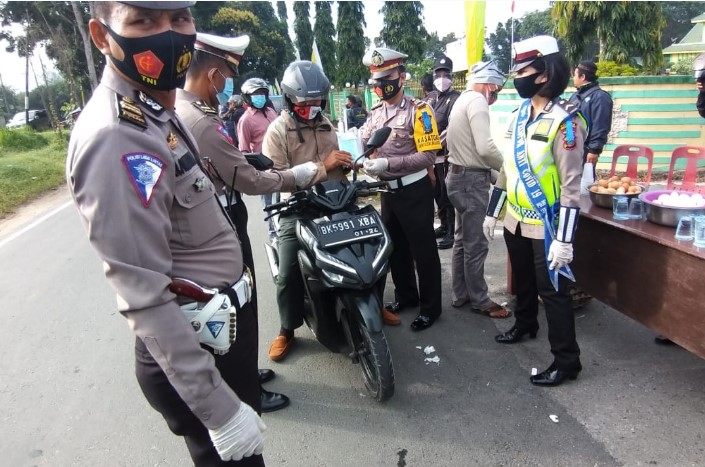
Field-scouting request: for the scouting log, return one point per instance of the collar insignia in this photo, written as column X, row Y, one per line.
column 205, row 108
column 150, row 102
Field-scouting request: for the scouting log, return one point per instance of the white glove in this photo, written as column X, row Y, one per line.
column 488, row 227
column 303, row 173
column 375, row 167
column 241, row 436
column 559, row 254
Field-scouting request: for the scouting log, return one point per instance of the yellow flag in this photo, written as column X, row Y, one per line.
column 315, row 56
column 474, row 31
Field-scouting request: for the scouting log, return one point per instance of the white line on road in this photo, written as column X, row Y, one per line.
column 34, row 224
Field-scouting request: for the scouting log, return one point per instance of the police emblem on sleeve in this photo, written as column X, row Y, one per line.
column 224, row 133
column 145, row 171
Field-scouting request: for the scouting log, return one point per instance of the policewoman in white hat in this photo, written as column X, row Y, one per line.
column 540, row 184
column 407, row 210
column 152, row 215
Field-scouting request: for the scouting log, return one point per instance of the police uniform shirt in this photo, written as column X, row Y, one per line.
column 414, row 140
column 215, row 143
column 568, row 158
column 282, row 145
column 151, row 214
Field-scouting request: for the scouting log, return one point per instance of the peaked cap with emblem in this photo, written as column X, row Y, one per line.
column 229, row 49
column 161, row 5
column 442, row 63
column 382, row 61
column 530, row 50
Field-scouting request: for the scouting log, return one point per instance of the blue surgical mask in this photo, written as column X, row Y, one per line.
column 227, row 92
column 258, row 100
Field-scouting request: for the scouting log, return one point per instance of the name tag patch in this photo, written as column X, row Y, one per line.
column 145, row 171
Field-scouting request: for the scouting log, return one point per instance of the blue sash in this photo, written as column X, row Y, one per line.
column 533, row 189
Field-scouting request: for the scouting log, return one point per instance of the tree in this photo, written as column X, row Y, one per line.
column 678, row 16
column 302, row 28
column 625, row 30
column 324, row 33
column 350, row 49
column 282, row 13
column 436, row 46
column 500, row 42
column 203, row 13
column 403, row 29
column 534, row 23
column 79, row 16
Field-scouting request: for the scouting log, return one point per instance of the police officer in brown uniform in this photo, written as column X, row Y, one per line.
column 407, row 210
column 152, row 216
column 209, row 82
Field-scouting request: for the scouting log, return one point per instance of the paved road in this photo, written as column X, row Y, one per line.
column 68, row 395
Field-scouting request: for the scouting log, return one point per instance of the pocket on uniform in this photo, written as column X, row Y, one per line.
column 196, row 216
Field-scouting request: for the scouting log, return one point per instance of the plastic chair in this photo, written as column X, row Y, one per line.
column 633, row 152
column 692, row 154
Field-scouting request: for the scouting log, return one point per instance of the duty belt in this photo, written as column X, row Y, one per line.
column 525, row 213
column 396, row 183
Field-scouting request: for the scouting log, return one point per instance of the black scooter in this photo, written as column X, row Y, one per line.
column 344, row 260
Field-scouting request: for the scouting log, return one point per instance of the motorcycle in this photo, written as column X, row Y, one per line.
column 344, row 261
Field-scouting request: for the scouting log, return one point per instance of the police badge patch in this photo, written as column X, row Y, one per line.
column 224, row 133
column 145, row 171
column 567, row 130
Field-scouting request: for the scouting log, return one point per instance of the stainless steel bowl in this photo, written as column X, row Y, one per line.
column 666, row 215
column 604, row 200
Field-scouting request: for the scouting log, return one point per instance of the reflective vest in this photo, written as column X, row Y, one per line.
column 540, row 135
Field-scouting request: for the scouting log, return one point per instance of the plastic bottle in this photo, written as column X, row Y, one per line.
column 587, row 179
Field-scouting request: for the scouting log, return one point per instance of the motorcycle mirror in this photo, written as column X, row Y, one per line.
column 377, row 140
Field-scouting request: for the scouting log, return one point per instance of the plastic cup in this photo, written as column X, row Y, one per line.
column 684, row 231
column 620, row 208
column 699, row 232
column 636, row 208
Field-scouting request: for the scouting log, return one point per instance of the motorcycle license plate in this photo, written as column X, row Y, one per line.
column 350, row 230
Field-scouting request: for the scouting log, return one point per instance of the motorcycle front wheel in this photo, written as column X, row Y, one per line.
column 376, row 363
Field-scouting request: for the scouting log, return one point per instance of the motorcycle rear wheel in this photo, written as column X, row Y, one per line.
column 376, row 363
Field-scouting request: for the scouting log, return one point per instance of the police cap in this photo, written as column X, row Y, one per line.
column 442, row 63
column 161, row 5
column 382, row 61
column 530, row 50
column 229, row 49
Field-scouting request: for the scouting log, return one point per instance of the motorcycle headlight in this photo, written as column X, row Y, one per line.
column 307, row 237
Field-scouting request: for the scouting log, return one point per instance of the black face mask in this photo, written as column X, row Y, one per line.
column 158, row 61
column 526, row 87
column 387, row 88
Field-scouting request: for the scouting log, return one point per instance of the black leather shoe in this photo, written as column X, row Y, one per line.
column 515, row 334
column 273, row 401
column 396, row 307
column 553, row 376
column 663, row 340
column 440, row 231
column 265, row 375
column 422, row 322
column 446, row 242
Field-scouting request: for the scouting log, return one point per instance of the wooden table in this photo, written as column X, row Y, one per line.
column 639, row 269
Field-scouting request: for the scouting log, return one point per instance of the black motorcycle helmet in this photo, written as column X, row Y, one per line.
column 304, row 81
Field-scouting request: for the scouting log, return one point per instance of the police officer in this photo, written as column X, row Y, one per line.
column 407, row 210
column 212, row 70
column 540, row 180
column 442, row 103
column 152, row 215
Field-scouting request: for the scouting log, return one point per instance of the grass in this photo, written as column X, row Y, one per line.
column 30, row 164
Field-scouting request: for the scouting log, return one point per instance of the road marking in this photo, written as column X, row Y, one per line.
column 34, row 224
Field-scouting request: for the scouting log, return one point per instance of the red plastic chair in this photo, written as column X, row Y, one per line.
column 633, row 152
column 692, row 154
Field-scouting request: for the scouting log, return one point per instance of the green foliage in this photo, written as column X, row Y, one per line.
column 302, row 29
column 499, row 43
column 535, row 23
column 436, row 46
column 681, row 67
column 678, row 16
column 10, row 102
column 282, row 13
column 610, row 68
column 403, row 29
column 324, row 33
column 203, row 13
column 21, row 139
column 419, row 69
column 350, row 49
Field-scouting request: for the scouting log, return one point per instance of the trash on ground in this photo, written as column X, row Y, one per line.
column 429, row 350
column 435, row 359
column 534, row 371
column 554, row 418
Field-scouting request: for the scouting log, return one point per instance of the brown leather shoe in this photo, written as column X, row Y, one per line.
column 280, row 348
column 390, row 318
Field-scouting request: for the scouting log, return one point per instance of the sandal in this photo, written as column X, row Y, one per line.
column 493, row 310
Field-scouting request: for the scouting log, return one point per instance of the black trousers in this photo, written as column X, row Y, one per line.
column 407, row 214
column 238, row 368
column 446, row 211
column 528, row 259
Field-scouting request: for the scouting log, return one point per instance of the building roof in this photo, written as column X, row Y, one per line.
column 692, row 42
column 698, row 18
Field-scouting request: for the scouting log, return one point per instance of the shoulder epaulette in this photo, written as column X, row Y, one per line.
column 418, row 103
column 379, row 104
column 568, row 106
column 205, row 108
column 129, row 111
column 150, row 102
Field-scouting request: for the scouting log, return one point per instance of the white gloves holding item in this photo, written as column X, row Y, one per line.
column 241, row 436
column 303, row 173
column 559, row 254
column 374, row 167
column 488, row 227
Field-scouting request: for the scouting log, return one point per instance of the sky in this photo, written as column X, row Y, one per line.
column 441, row 16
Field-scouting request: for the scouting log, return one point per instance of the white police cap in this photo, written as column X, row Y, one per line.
column 381, row 61
column 229, row 49
column 161, row 5
column 529, row 50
